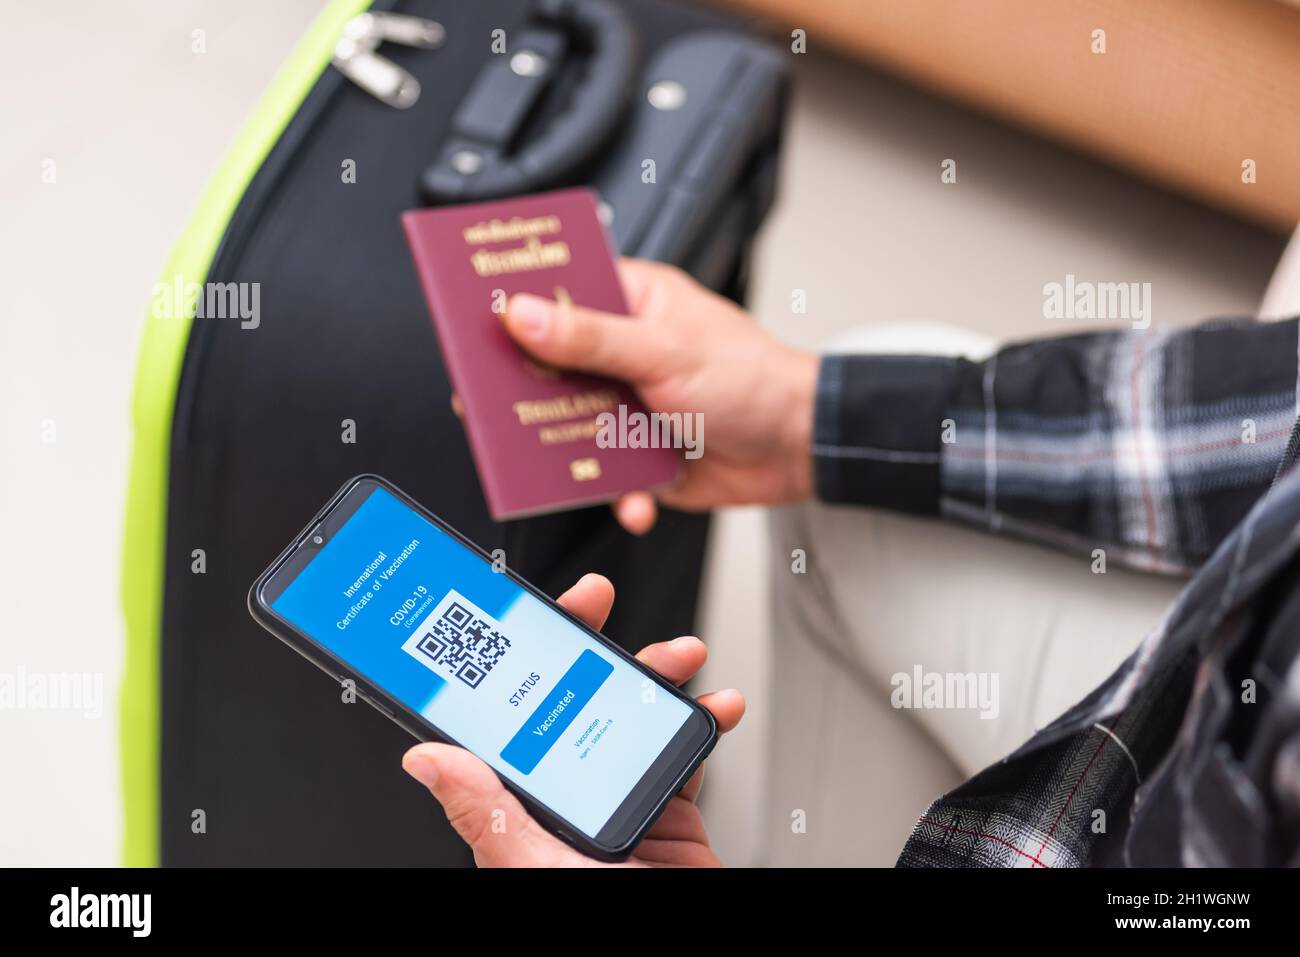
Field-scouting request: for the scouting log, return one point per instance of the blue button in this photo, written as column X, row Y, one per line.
column 545, row 725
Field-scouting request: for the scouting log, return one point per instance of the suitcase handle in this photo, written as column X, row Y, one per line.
column 475, row 163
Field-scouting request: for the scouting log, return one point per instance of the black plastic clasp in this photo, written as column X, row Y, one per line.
column 482, row 158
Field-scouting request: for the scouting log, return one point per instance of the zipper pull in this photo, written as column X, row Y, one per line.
column 355, row 56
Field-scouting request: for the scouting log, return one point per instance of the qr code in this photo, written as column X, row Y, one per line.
column 460, row 639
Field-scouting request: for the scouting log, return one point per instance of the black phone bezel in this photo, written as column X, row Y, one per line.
column 687, row 750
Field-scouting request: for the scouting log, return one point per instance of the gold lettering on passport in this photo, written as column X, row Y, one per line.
column 584, row 470
column 497, row 231
column 569, row 432
column 533, row 254
column 562, row 407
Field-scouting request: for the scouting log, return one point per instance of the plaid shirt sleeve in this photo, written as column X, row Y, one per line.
column 1151, row 445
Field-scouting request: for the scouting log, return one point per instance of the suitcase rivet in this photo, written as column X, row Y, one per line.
column 466, row 162
column 666, row 95
column 528, row 63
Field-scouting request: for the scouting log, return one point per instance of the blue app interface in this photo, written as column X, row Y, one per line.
column 485, row 661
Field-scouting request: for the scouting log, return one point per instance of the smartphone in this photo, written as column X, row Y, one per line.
column 455, row 647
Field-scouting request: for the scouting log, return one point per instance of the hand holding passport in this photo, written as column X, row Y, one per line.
column 532, row 429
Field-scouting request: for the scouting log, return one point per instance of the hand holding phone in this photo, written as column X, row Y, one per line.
column 454, row 647
column 498, row 828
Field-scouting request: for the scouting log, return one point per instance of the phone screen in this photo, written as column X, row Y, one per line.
column 495, row 668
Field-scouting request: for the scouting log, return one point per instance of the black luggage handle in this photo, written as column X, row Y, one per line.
column 475, row 163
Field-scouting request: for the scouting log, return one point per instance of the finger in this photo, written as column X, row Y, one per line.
column 690, row 792
column 676, row 854
column 639, row 277
column 727, row 708
column 675, row 660
column 486, row 816
column 681, row 821
column 590, row 599
column 575, row 337
column 636, row 512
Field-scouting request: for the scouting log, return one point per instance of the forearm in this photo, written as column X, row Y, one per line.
column 1150, row 445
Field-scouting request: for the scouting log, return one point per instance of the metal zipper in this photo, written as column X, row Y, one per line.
column 355, row 56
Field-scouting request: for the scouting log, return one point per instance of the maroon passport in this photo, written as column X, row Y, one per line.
column 532, row 429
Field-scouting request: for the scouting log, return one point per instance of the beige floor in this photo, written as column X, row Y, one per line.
column 134, row 121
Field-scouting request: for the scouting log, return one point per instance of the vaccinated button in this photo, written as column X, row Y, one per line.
column 556, row 712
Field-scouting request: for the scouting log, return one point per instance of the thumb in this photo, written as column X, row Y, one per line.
column 575, row 337
column 486, row 816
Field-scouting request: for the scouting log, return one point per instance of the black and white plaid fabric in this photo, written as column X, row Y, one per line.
column 1158, row 448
